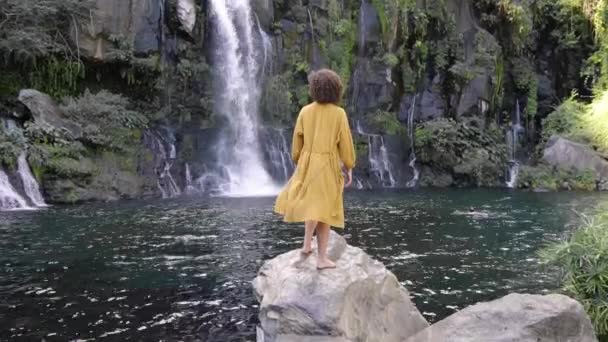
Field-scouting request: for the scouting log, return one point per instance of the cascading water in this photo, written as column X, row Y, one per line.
column 238, row 92
column 278, row 154
column 513, row 145
column 164, row 152
column 9, row 197
column 30, row 185
column 379, row 161
column 410, row 133
column 189, row 189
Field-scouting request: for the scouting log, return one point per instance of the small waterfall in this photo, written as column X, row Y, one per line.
column 410, row 133
column 30, row 185
column 380, row 164
column 9, row 197
column 189, row 189
column 267, row 48
column 164, row 156
column 379, row 161
column 238, row 91
column 277, row 152
column 513, row 145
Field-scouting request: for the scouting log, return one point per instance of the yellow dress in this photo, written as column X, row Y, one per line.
column 321, row 140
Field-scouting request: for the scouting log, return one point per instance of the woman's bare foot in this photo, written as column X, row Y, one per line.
column 325, row 263
column 306, row 250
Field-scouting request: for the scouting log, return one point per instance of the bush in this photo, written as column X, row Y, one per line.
column 596, row 121
column 471, row 155
column 387, row 123
column 566, row 120
column 545, row 177
column 12, row 144
column 105, row 119
column 583, row 260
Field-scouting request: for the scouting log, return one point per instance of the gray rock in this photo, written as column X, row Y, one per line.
column 369, row 29
column 134, row 23
column 360, row 300
column 514, row 318
column 264, row 10
column 565, row 154
column 44, row 111
column 186, row 13
column 371, row 87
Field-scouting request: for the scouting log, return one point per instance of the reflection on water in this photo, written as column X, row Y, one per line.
column 182, row 268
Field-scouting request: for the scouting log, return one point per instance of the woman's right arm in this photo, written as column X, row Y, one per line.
column 346, row 148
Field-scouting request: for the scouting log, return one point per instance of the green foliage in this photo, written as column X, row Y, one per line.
column 520, row 19
column 583, row 260
column 545, row 177
column 387, row 123
column 277, row 100
column 302, row 95
column 566, row 120
column 579, row 122
column 35, row 44
column 12, row 144
column 32, row 29
column 391, row 60
column 596, row 121
column 471, row 155
column 105, row 120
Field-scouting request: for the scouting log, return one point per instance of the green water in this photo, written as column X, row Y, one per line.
column 181, row 269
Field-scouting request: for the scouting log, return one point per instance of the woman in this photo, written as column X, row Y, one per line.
column 321, row 140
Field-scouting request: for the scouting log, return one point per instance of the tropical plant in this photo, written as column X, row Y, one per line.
column 583, row 260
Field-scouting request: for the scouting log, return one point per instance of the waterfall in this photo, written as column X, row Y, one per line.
column 410, row 133
column 163, row 148
column 237, row 99
column 267, row 47
column 278, row 154
column 30, row 185
column 380, row 164
column 513, row 145
column 379, row 161
column 9, row 197
column 190, row 189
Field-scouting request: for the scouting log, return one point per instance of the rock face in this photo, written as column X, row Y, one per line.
column 565, row 154
column 514, row 318
column 186, row 13
column 44, row 111
column 360, row 300
column 133, row 23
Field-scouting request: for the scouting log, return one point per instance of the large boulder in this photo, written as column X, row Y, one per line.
column 565, row 154
column 360, row 300
column 514, row 318
column 44, row 111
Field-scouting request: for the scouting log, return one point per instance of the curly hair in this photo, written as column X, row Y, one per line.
column 325, row 86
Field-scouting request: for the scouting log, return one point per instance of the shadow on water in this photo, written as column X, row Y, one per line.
column 182, row 268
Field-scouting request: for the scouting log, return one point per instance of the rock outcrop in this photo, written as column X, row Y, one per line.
column 514, row 318
column 186, row 13
column 360, row 300
column 44, row 111
column 565, row 154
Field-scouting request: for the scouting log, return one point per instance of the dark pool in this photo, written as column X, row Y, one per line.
column 181, row 269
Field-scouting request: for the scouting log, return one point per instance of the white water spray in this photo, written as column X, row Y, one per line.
column 410, row 132
column 513, row 144
column 238, row 92
column 9, row 197
column 30, row 185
